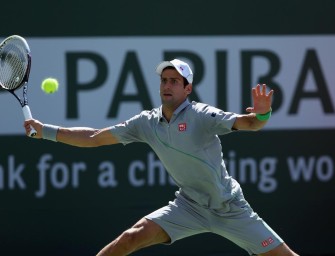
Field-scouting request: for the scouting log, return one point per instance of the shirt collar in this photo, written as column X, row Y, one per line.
column 180, row 108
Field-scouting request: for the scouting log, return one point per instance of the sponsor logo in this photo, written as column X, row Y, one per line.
column 182, row 127
column 267, row 242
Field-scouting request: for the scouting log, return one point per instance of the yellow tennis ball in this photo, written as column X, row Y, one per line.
column 49, row 85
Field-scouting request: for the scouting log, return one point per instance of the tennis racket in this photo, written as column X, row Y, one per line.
column 15, row 63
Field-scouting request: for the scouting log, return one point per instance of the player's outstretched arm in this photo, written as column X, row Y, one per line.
column 259, row 113
column 75, row 136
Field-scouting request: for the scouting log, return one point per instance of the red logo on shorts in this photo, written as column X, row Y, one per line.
column 182, row 127
column 268, row 241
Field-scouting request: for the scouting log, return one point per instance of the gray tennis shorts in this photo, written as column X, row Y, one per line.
column 240, row 224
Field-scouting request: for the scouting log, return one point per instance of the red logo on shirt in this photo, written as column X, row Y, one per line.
column 267, row 242
column 182, row 127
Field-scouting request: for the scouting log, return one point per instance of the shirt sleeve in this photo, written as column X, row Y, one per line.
column 215, row 120
column 128, row 131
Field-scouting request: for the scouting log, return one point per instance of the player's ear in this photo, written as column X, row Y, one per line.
column 188, row 88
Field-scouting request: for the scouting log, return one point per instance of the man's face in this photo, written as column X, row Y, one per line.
column 172, row 90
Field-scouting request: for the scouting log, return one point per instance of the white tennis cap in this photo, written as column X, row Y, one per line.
column 182, row 67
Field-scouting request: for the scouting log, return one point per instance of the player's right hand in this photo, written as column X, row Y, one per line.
column 37, row 125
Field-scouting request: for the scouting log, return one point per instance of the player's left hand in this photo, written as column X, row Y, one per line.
column 262, row 100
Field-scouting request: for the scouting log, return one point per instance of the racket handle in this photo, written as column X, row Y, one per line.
column 27, row 115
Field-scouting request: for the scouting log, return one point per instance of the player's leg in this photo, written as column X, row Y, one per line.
column 281, row 250
column 144, row 233
column 245, row 228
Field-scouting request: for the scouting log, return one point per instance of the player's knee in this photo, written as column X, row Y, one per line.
column 129, row 240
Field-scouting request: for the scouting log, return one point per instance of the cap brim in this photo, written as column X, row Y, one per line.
column 163, row 65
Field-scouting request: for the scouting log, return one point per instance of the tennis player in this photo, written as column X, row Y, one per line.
column 184, row 135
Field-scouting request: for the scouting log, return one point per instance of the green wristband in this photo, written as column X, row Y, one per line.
column 264, row 117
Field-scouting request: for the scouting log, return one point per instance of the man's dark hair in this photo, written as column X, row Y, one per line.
column 185, row 80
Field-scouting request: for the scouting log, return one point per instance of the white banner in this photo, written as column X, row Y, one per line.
column 94, row 72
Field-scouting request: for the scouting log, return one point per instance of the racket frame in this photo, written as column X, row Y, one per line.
column 24, row 83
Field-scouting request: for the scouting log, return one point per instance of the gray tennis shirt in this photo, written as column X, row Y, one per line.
column 189, row 148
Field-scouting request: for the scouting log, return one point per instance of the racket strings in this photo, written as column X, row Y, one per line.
column 13, row 64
